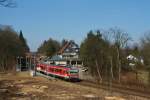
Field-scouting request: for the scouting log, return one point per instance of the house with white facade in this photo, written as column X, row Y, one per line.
column 68, row 55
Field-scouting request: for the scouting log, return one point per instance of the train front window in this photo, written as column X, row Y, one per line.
column 68, row 66
column 73, row 71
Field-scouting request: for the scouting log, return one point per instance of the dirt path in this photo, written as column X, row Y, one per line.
column 23, row 87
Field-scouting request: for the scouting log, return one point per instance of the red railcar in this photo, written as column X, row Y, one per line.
column 66, row 72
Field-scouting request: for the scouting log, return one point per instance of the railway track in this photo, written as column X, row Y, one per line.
column 109, row 87
column 115, row 88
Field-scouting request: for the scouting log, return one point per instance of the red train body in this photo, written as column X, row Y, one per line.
column 66, row 72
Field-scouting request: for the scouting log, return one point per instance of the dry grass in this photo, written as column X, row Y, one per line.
column 23, row 87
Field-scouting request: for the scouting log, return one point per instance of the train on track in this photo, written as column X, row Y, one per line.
column 67, row 72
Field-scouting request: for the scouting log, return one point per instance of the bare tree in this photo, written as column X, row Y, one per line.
column 145, row 46
column 8, row 3
column 10, row 48
column 120, row 39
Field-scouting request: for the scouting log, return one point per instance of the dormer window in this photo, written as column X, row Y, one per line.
column 67, row 50
column 77, row 50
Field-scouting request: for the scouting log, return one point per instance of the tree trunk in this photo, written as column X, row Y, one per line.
column 98, row 71
column 3, row 67
column 119, row 65
column 111, row 69
column 119, row 71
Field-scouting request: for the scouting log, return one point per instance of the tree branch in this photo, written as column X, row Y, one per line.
column 8, row 3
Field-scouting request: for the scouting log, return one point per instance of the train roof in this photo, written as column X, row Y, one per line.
column 65, row 66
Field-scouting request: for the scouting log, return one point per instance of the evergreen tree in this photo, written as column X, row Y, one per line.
column 93, row 52
column 23, row 41
column 49, row 47
column 11, row 48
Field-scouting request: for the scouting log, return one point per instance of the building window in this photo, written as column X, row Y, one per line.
column 73, row 62
column 79, row 62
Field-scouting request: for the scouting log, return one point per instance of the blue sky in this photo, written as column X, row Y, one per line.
column 72, row 19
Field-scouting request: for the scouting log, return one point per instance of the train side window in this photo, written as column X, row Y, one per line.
column 52, row 69
column 61, row 71
column 66, row 72
column 55, row 70
column 58, row 70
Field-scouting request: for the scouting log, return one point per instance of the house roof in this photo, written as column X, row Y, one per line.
column 67, row 45
column 59, row 58
column 63, row 48
column 55, row 58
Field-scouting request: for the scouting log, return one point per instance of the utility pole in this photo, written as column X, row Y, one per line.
column 29, row 63
column 20, row 63
column 34, row 66
column 17, row 66
column 26, row 62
